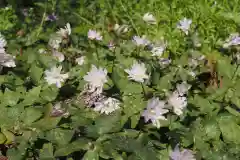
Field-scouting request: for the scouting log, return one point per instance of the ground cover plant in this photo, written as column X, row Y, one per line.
column 122, row 80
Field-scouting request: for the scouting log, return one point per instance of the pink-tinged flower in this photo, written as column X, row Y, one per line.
column 155, row 111
column 184, row 25
column 233, row 40
column 185, row 154
column 137, row 72
column 94, row 35
column 140, row 41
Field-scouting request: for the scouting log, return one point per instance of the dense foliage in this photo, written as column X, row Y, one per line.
column 120, row 79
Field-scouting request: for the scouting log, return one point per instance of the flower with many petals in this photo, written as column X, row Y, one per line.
column 54, row 76
column 96, row 77
column 149, row 18
column 178, row 102
column 155, row 111
column 107, row 105
column 183, row 88
column 233, row 40
column 94, row 35
column 184, row 25
column 65, row 32
column 140, row 41
column 185, row 154
column 137, row 72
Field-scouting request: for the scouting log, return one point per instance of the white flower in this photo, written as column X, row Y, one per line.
column 3, row 42
column 94, row 35
column 149, row 18
column 55, row 41
column 80, row 60
column 154, row 111
column 107, row 105
column 7, row 60
column 233, row 40
column 184, row 25
column 140, row 41
column 182, row 155
column 65, row 32
column 158, row 51
column 120, row 29
column 183, row 88
column 178, row 102
column 58, row 55
column 96, row 77
column 137, row 72
column 54, row 76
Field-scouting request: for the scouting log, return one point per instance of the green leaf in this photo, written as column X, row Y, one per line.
column 132, row 88
column 32, row 96
column 119, row 79
column 105, row 124
column 49, row 94
column 80, row 144
column 165, row 82
column 31, row 114
column 47, row 123
column 60, row 136
column 229, row 128
column 203, row 104
column 133, row 104
column 10, row 98
column 212, row 129
column 35, row 73
column 91, row 155
column 2, row 138
column 46, row 153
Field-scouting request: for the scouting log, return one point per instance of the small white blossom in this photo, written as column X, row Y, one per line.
column 178, row 102
column 233, row 40
column 140, row 41
column 137, row 72
column 58, row 55
column 65, row 32
column 6, row 60
column 149, row 18
column 185, row 154
column 120, row 29
column 183, row 88
column 107, row 105
column 3, row 42
column 80, row 60
column 158, row 51
column 155, row 111
column 94, row 35
column 55, row 41
column 54, row 76
column 184, row 25
column 96, row 77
